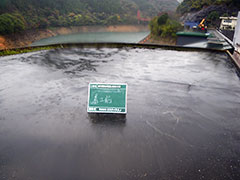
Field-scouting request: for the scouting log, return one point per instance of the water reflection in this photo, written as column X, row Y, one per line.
column 72, row 60
column 114, row 119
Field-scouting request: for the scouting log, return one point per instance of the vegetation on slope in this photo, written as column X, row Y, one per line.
column 7, row 52
column 164, row 26
column 211, row 10
column 196, row 5
column 18, row 15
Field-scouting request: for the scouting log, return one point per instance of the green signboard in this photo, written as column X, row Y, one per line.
column 107, row 98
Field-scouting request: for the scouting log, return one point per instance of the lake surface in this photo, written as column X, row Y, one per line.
column 183, row 118
column 124, row 37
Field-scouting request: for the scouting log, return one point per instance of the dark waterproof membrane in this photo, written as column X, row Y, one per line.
column 183, row 118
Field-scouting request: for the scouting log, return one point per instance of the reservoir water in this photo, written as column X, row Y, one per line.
column 183, row 119
column 122, row 37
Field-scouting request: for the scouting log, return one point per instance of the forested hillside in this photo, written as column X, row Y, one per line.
column 211, row 10
column 195, row 5
column 19, row 15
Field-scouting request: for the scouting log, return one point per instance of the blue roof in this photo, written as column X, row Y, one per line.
column 191, row 24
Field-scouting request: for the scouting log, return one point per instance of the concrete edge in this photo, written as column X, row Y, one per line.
column 237, row 64
column 115, row 45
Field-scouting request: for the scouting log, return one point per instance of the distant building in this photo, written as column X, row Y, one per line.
column 228, row 23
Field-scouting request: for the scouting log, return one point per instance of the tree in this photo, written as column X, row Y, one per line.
column 171, row 28
column 167, row 29
column 213, row 18
column 162, row 19
column 11, row 23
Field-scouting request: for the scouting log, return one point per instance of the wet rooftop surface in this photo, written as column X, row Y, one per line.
column 183, row 118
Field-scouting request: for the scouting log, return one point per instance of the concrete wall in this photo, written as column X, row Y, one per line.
column 236, row 38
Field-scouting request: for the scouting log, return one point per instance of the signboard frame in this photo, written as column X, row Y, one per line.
column 107, row 112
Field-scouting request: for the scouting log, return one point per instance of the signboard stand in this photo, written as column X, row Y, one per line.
column 102, row 118
column 107, row 98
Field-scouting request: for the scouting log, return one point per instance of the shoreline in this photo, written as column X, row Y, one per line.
column 26, row 38
column 160, row 41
